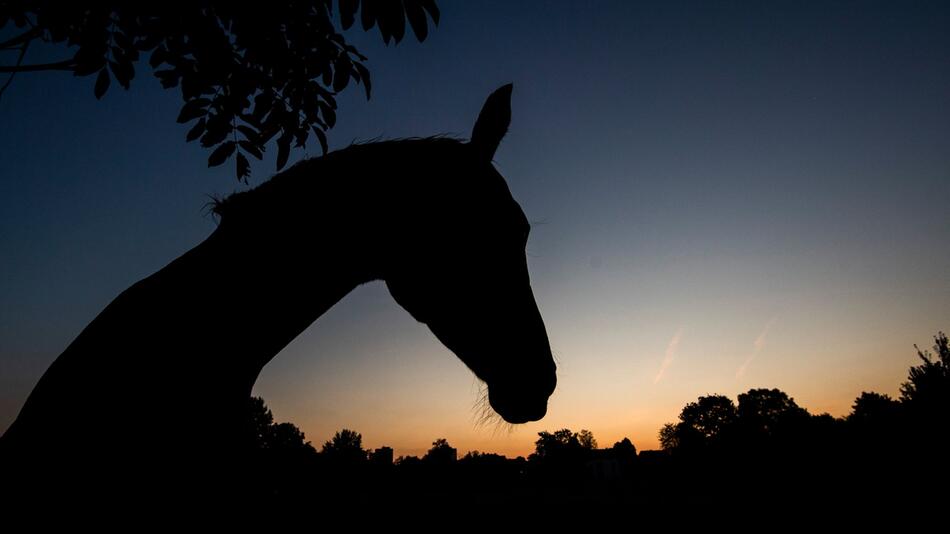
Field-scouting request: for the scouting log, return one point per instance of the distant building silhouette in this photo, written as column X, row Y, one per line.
column 382, row 456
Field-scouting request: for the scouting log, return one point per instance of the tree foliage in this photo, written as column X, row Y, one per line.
column 709, row 416
column 873, row 408
column 264, row 434
column 562, row 442
column 669, row 437
column 625, row 446
column 586, row 439
column 247, row 75
column 441, row 452
column 929, row 382
column 767, row 411
column 346, row 446
column 716, row 420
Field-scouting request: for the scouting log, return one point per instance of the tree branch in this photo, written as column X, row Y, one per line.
column 28, row 35
column 60, row 65
column 19, row 60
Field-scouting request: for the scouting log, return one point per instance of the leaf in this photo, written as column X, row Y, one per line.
column 322, row 137
column 158, row 57
column 221, row 154
column 218, row 128
column 341, row 73
column 122, row 40
column 190, row 87
column 87, row 68
column 392, row 21
column 417, row 19
column 432, row 9
column 168, row 77
column 102, row 83
column 89, row 58
column 328, row 114
column 194, row 108
column 116, row 70
column 196, row 131
column 268, row 131
column 364, row 77
column 252, row 149
column 301, row 135
column 124, row 48
column 249, row 133
column 283, row 149
column 368, row 14
column 263, row 103
column 123, row 71
column 352, row 49
column 347, row 10
column 243, row 167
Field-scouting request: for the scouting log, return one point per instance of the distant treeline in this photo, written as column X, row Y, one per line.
column 763, row 451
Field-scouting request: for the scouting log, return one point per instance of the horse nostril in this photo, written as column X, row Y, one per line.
column 519, row 405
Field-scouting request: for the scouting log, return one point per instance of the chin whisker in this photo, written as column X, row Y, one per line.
column 484, row 416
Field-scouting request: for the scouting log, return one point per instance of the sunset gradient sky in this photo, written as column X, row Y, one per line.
column 725, row 195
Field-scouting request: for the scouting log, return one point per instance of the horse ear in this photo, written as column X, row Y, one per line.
column 492, row 122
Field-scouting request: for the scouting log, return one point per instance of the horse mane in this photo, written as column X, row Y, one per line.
column 334, row 163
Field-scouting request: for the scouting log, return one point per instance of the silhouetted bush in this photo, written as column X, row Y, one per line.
column 765, row 452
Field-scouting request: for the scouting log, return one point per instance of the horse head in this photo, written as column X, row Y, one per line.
column 463, row 272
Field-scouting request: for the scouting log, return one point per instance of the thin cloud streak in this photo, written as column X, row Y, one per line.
column 669, row 356
column 757, row 347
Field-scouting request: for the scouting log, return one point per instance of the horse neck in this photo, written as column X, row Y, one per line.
column 301, row 243
column 208, row 322
column 195, row 335
column 259, row 288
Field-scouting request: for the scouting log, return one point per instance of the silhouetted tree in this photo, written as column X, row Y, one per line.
column 669, row 437
column 626, row 454
column 280, row 459
column 259, row 422
column 625, row 447
column 871, row 409
column 478, row 457
column 346, row 447
column 709, row 415
column 559, row 457
column 768, row 412
column 586, row 439
column 409, row 467
column 248, row 73
column 763, row 451
column 441, row 452
column 407, row 460
column 287, row 436
column 925, row 398
column 928, row 384
column 265, row 434
column 828, row 431
column 381, row 457
column 702, row 423
column 554, row 444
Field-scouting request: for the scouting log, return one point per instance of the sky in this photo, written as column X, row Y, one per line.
column 723, row 195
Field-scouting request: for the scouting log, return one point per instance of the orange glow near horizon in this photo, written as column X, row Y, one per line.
column 404, row 390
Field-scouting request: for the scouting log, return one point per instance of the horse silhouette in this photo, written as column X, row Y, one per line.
column 153, row 392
